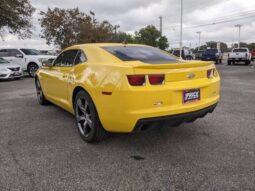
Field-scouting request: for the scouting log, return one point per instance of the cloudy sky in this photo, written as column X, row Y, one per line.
column 134, row 14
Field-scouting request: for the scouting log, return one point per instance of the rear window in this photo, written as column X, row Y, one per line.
column 240, row 50
column 140, row 53
column 211, row 51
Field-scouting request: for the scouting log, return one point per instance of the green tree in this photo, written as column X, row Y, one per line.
column 163, row 43
column 15, row 17
column 66, row 27
column 151, row 36
column 122, row 37
column 213, row 44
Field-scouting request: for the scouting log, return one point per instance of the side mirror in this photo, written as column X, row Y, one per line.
column 19, row 56
column 48, row 63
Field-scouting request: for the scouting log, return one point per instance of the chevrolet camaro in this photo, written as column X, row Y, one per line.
column 127, row 88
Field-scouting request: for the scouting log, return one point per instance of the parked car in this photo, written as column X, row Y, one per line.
column 239, row 55
column 212, row 54
column 28, row 59
column 9, row 70
column 253, row 54
column 198, row 55
column 126, row 88
column 186, row 54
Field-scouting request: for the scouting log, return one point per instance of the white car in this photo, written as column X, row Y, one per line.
column 28, row 59
column 9, row 70
column 239, row 55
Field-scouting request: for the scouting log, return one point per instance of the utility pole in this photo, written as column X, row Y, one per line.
column 199, row 39
column 181, row 28
column 239, row 36
column 160, row 25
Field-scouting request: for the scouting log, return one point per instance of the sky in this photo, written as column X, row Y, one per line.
column 132, row 15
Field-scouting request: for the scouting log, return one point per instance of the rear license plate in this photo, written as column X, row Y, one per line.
column 191, row 95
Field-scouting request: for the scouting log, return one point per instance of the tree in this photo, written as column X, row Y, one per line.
column 15, row 17
column 151, row 36
column 213, row 44
column 66, row 27
column 122, row 37
column 163, row 43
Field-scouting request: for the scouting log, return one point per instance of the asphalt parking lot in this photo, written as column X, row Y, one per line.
column 41, row 149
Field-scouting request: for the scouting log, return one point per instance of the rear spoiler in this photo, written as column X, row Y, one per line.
column 185, row 64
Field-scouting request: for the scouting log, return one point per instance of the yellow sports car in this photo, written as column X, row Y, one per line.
column 127, row 88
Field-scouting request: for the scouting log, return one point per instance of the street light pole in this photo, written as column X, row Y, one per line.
column 239, row 35
column 181, row 28
column 160, row 24
column 199, row 38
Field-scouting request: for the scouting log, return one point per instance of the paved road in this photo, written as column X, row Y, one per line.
column 41, row 149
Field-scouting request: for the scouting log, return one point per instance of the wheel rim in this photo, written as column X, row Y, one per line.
column 32, row 70
column 39, row 90
column 83, row 117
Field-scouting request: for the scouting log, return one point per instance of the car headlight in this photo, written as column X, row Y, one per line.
column 42, row 59
column 4, row 70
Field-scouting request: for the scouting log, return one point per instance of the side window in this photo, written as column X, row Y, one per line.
column 12, row 52
column 80, row 57
column 66, row 58
column 3, row 53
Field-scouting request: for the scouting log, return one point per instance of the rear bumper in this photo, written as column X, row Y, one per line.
column 209, row 59
column 172, row 120
column 237, row 59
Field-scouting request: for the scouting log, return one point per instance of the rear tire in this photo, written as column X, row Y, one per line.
column 87, row 120
column 32, row 68
column 40, row 96
column 248, row 62
column 229, row 62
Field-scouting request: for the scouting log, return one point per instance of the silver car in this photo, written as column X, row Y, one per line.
column 9, row 70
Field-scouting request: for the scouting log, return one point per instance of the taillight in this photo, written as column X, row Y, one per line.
column 211, row 73
column 136, row 80
column 156, row 79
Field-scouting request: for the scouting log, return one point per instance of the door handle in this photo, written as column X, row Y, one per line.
column 64, row 76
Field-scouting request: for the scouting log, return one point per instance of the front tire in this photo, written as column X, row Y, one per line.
column 32, row 68
column 39, row 92
column 87, row 120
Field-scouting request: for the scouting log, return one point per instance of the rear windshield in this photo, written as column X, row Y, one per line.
column 211, row 51
column 240, row 50
column 140, row 53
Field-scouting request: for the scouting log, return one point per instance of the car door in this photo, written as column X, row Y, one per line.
column 55, row 78
column 15, row 56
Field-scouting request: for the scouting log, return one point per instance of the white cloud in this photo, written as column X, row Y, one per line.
column 134, row 14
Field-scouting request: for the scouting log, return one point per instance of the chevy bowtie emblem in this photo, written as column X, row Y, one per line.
column 191, row 75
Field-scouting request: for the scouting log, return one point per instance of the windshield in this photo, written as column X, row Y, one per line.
column 177, row 52
column 240, row 50
column 30, row 51
column 144, row 54
column 3, row 61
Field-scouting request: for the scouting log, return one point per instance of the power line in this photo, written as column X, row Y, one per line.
column 219, row 22
column 233, row 16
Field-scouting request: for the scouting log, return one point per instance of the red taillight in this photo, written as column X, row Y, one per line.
column 136, row 80
column 156, row 79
